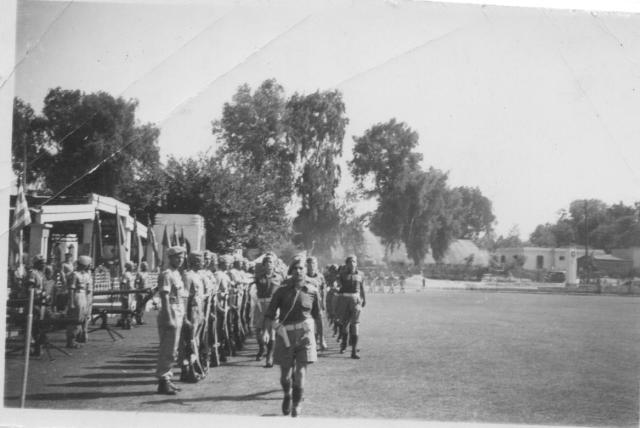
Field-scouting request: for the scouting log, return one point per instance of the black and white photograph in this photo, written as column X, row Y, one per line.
column 350, row 212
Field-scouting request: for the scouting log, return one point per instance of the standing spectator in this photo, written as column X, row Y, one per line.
column 80, row 289
column 141, row 283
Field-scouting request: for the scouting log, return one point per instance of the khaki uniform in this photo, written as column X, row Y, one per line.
column 170, row 282
column 80, row 286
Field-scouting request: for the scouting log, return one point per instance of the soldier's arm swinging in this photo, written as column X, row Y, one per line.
column 362, row 296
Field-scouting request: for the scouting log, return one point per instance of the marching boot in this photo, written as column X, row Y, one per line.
column 165, row 387
column 269, row 362
column 297, row 398
column 354, row 347
column 260, row 348
column 286, row 401
column 343, row 343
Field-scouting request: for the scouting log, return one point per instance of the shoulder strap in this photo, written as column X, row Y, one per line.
column 291, row 308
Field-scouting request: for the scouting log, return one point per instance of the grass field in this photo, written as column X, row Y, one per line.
column 435, row 355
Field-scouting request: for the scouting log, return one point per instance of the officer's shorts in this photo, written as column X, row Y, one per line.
column 348, row 308
column 302, row 346
column 257, row 316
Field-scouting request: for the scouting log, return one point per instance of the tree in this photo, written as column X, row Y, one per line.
column 292, row 145
column 415, row 207
column 511, row 240
column 475, row 214
column 543, row 236
column 86, row 129
column 239, row 207
column 29, row 135
column 315, row 126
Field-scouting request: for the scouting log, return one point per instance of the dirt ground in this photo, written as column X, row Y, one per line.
column 436, row 355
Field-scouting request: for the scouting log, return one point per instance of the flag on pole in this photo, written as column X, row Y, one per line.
column 182, row 240
column 136, row 245
column 153, row 259
column 174, row 239
column 120, row 238
column 21, row 219
column 165, row 246
column 22, row 216
column 96, row 240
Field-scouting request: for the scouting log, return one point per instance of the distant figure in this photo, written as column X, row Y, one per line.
column 141, row 283
column 126, row 284
column 402, row 283
column 80, row 286
column 424, row 282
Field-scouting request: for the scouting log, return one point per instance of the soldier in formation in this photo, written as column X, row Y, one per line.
column 351, row 300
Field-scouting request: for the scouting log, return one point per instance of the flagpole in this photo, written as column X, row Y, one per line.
column 27, row 348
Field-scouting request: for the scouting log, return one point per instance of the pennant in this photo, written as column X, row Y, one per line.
column 174, row 239
column 152, row 246
column 96, row 240
column 136, row 245
column 120, row 242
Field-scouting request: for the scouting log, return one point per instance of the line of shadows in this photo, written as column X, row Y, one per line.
column 99, row 384
column 147, row 366
column 258, row 396
column 60, row 396
column 108, row 376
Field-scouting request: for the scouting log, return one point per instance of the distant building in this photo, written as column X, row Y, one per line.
column 632, row 254
column 535, row 258
column 606, row 264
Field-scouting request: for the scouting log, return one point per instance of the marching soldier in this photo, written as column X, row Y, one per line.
column 295, row 347
column 173, row 297
column 318, row 280
column 266, row 283
column 80, row 287
column 350, row 304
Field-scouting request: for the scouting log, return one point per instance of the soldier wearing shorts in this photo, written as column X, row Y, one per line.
column 351, row 300
column 173, row 298
column 80, row 289
column 265, row 285
column 318, row 280
column 295, row 347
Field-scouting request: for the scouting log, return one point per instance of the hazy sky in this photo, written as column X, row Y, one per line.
column 535, row 107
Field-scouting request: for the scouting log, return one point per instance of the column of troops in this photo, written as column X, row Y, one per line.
column 209, row 304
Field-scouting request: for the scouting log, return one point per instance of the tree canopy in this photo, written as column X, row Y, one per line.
column 415, row 207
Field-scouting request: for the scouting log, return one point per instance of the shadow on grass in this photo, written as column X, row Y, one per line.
column 258, row 396
column 99, row 384
column 140, row 367
column 61, row 396
column 109, row 375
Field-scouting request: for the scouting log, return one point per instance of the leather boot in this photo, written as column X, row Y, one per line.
column 354, row 347
column 286, row 401
column 165, row 388
column 297, row 398
column 260, row 349
column 269, row 362
column 343, row 343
